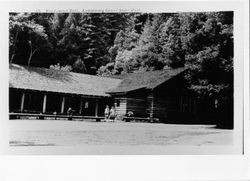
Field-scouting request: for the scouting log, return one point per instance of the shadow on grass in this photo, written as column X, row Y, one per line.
column 28, row 143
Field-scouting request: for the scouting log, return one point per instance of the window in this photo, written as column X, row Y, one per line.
column 184, row 104
column 187, row 104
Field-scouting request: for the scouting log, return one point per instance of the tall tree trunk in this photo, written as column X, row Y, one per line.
column 31, row 55
column 14, row 48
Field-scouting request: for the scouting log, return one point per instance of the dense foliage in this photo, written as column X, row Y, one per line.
column 118, row 43
column 80, row 41
column 201, row 41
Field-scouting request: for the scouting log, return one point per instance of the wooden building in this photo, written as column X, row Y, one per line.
column 41, row 90
column 158, row 94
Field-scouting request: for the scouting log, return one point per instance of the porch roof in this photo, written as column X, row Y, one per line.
column 43, row 79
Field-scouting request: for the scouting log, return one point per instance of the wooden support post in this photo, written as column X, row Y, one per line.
column 81, row 103
column 96, row 107
column 152, row 106
column 44, row 102
column 195, row 107
column 22, row 102
column 181, row 103
column 190, row 105
column 63, row 104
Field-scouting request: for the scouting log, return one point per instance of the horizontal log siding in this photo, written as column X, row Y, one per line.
column 150, row 105
column 122, row 108
column 164, row 101
column 137, row 106
column 136, row 102
column 160, row 106
column 165, row 106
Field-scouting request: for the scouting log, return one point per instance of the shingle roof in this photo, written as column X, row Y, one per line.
column 34, row 78
column 43, row 79
column 148, row 80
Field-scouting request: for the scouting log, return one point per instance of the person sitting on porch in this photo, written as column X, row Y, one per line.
column 70, row 111
column 106, row 112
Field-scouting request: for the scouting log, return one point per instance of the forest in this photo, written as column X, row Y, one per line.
column 107, row 44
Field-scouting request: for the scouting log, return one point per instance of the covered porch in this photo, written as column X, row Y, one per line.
column 42, row 102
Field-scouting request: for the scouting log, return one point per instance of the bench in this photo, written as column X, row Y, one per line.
column 153, row 120
column 55, row 116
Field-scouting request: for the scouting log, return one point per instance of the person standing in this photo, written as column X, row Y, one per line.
column 112, row 113
column 106, row 112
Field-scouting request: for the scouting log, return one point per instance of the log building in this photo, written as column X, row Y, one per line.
column 159, row 94
column 41, row 90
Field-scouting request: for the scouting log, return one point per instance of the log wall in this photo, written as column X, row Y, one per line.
column 134, row 101
column 137, row 106
column 166, row 101
column 121, row 108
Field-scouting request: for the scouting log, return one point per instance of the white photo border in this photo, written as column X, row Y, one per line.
column 140, row 167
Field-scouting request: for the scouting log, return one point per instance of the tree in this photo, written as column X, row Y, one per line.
column 49, row 38
column 79, row 66
column 86, row 35
column 209, row 55
column 21, row 26
column 209, row 52
column 201, row 41
column 137, row 48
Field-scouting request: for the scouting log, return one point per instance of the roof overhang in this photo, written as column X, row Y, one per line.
column 122, row 92
column 63, row 93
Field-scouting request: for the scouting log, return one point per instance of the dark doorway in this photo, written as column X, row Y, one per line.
column 15, row 97
column 33, row 102
column 88, row 108
column 73, row 102
column 54, row 101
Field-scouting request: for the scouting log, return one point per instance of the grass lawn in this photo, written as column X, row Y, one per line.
column 56, row 133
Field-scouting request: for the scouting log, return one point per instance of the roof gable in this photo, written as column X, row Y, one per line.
column 148, row 80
